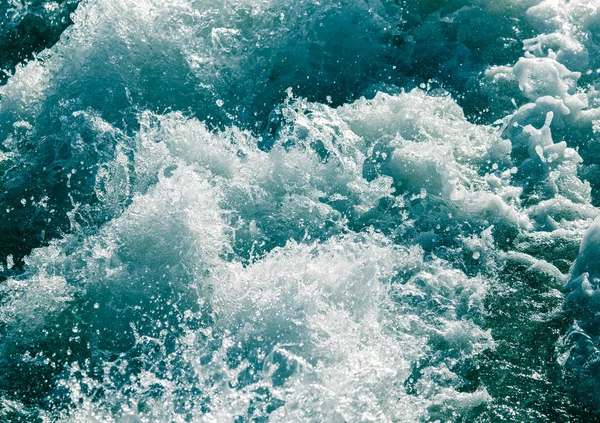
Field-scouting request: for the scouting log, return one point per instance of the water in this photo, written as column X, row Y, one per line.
column 270, row 210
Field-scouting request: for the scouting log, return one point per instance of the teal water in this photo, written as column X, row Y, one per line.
column 299, row 211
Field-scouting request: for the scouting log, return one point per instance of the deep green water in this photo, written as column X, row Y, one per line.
column 299, row 211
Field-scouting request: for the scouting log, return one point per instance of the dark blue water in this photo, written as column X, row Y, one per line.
column 299, row 211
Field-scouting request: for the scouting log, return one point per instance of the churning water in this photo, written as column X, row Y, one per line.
column 299, row 211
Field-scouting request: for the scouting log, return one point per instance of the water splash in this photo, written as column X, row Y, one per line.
column 275, row 211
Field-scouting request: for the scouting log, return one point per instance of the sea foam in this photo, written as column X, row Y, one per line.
column 303, row 211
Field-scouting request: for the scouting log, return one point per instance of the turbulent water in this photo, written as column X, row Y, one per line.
column 299, row 211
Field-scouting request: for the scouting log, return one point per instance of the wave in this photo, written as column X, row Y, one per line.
column 302, row 211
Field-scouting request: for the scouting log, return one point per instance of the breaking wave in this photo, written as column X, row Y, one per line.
column 269, row 210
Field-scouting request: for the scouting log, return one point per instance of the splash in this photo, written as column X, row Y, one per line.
column 302, row 211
